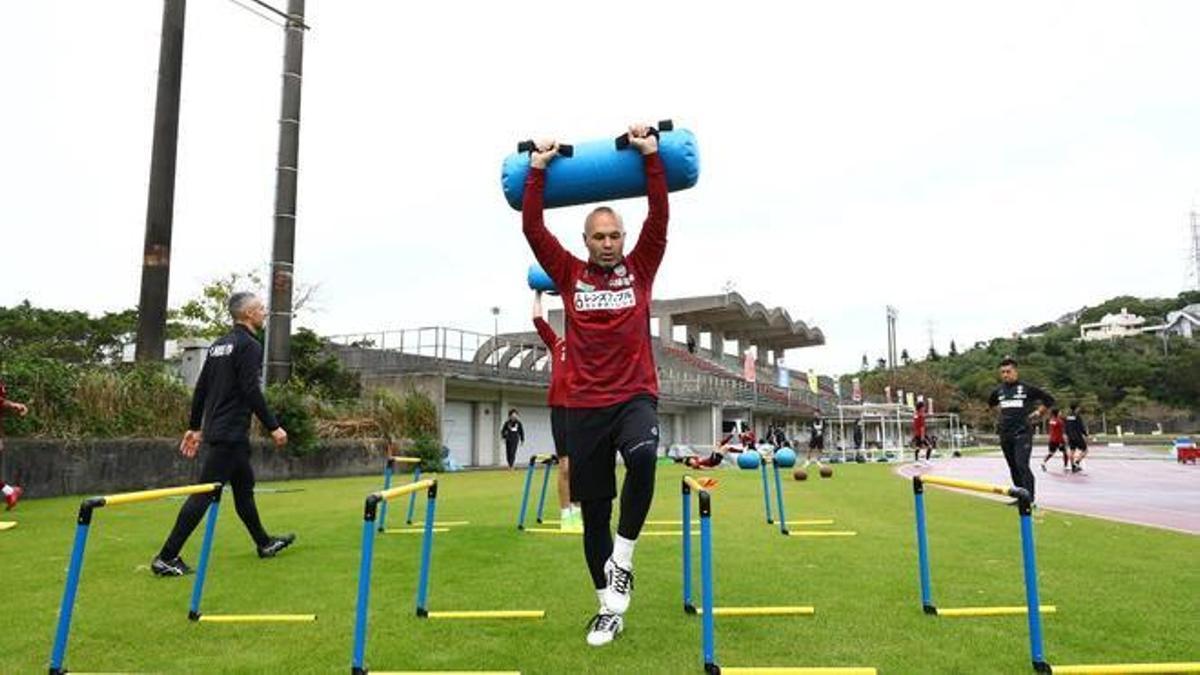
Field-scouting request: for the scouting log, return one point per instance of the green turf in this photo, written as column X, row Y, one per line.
column 1124, row 593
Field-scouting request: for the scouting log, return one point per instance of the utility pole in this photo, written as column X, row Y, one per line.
column 279, row 325
column 160, row 206
column 892, row 314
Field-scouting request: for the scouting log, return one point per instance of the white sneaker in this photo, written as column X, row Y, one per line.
column 604, row 628
column 620, row 586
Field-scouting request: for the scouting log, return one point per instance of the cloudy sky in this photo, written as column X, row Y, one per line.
column 981, row 166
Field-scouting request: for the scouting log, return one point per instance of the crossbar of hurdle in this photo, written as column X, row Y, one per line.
column 783, row 521
column 548, row 461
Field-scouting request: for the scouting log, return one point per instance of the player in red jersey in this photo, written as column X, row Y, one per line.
column 612, row 400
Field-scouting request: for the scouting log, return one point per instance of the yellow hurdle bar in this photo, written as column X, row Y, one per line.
column 415, row 530
column 693, row 484
column 162, row 493
column 446, row 672
column 492, row 614
column 258, row 618
column 821, row 533
column 666, row 533
column 819, row 521
column 541, row 459
column 551, row 530
column 1128, row 668
column 392, row 493
column 759, row 611
column 400, row 459
column 798, row 670
column 966, row 485
column 993, row 611
column 7, row 525
column 663, row 522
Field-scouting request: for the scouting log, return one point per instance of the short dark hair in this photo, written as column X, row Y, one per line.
column 1008, row 361
column 512, row 411
column 1074, row 406
column 1054, row 411
column 920, row 404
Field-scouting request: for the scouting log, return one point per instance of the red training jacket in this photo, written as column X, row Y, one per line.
column 1056, row 430
column 919, row 425
column 558, row 363
column 610, row 358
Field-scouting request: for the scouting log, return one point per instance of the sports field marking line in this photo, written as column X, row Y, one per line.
column 490, row 614
column 992, row 611
column 257, row 618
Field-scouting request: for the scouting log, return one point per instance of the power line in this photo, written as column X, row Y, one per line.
column 258, row 13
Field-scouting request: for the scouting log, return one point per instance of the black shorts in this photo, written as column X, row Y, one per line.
column 558, row 429
column 1058, row 447
column 596, row 435
column 1077, row 444
column 816, row 443
column 920, row 442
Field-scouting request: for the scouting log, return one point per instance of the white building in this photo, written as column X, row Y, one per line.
column 1112, row 326
column 1183, row 323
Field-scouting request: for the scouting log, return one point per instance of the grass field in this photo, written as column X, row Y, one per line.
column 1124, row 593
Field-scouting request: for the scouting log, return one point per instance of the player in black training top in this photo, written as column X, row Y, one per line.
column 1077, row 434
column 1019, row 405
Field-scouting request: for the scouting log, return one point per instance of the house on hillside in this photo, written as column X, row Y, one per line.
column 1183, row 323
column 1112, row 326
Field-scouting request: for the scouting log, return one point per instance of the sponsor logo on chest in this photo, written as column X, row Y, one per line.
column 594, row 301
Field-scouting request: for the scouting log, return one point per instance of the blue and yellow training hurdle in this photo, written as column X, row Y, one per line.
column 548, row 461
column 783, row 521
column 83, row 524
column 371, row 511
column 1033, row 609
column 708, row 612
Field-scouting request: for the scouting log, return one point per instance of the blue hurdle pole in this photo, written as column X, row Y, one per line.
column 210, row 530
column 387, row 483
column 779, row 499
column 766, row 491
column 923, row 547
column 687, row 549
column 73, row 571
column 1033, row 603
column 542, row 497
column 412, row 497
column 426, row 552
column 525, row 493
column 364, row 586
column 706, row 581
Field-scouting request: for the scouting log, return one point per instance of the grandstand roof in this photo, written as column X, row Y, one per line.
column 736, row 319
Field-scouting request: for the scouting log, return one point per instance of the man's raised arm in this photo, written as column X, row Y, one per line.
column 652, row 242
column 549, row 252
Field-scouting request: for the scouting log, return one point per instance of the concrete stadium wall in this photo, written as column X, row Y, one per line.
column 53, row 468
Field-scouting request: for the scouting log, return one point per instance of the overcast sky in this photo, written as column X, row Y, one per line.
column 981, row 166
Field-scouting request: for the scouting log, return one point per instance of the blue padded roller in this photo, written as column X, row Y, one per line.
column 599, row 172
column 540, row 281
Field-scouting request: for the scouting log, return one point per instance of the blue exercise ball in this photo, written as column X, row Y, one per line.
column 785, row 457
column 748, row 460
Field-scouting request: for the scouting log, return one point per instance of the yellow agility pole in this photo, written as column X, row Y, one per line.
column 798, row 670
column 489, row 614
column 161, row 493
column 391, row 493
column 973, row 486
column 992, row 611
column 817, row 521
column 399, row 459
column 822, row 533
column 7, row 525
column 257, row 618
column 760, row 611
column 553, row 530
column 446, row 672
column 1123, row 668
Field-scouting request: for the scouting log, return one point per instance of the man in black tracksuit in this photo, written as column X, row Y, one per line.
column 1076, row 438
column 1019, row 405
column 513, row 434
column 226, row 393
